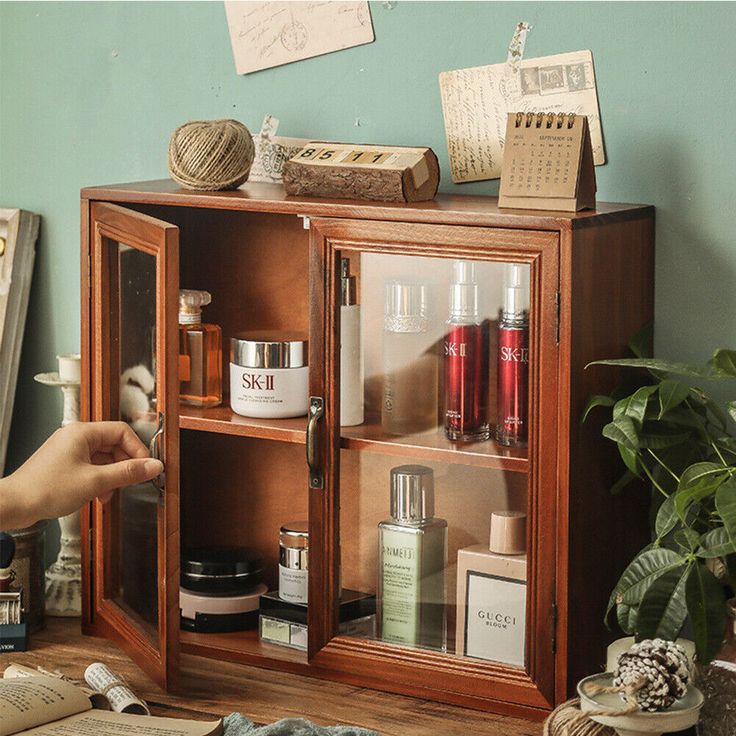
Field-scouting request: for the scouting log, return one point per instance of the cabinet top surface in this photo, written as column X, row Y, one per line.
column 451, row 209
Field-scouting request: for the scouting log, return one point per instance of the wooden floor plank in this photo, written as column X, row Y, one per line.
column 212, row 688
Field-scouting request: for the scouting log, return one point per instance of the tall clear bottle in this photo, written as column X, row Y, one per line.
column 412, row 563
column 351, row 359
column 466, row 361
column 409, row 360
column 200, row 352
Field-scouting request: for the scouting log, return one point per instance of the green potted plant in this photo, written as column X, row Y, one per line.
column 671, row 434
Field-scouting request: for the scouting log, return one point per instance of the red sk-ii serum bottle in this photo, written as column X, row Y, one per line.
column 513, row 359
column 466, row 361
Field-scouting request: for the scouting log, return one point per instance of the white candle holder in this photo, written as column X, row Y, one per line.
column 64, row 577
column 682, row 714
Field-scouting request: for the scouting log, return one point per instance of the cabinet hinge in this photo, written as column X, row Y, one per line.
column 553, row 616
column 557, row 318
column 305, row 221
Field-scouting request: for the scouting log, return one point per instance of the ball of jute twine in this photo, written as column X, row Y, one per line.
column 211, row 154
column 569, row 720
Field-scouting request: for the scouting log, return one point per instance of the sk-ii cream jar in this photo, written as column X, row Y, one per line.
column 269, row 377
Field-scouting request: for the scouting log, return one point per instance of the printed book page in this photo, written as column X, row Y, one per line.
column 107, row 723
column 476, row 102
column 26, row 702
column 98, row 700
column 121, row 698
column 268, row 34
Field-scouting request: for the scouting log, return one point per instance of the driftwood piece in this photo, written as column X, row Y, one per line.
column 326, row 170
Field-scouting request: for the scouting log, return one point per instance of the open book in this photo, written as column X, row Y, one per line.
column 47, row 706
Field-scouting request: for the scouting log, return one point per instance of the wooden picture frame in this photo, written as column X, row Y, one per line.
column 18, row 235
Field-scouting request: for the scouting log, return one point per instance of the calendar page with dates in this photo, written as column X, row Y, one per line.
column 547, row 162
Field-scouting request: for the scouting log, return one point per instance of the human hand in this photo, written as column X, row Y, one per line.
column 76, row 464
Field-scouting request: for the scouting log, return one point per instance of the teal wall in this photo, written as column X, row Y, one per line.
column 90, row 92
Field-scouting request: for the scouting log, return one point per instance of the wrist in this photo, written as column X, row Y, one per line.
column 16, row 508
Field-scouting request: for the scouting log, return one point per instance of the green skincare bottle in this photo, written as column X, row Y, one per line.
column 412, row 563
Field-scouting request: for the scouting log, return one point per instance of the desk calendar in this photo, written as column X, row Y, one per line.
column 547, row 163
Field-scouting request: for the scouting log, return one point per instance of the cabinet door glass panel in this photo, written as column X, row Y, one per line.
column 134, row 268
column 434, row 472
column 131, row 579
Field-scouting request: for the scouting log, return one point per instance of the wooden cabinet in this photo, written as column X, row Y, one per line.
column 273, row 262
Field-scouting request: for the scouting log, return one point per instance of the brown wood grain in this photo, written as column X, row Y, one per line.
column 607, row 285
column 450, row 209
column 241, row 478
column 214, row 688
column 156, row 651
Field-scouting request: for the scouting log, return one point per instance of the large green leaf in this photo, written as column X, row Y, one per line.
column 626, row 617
column 705, row 605
column 623, row 431
column 663, row 608
column 671, row 394
column 687, row 538
column 695, row 492
column 724, row 363
column 631, row 459
column 716, row 543
column 653, row 364
column 642, row 571
column 697, row 471
column 597, row 400
column 666, row 518
column 657, row 439
column 635, row 406
column 726, row 506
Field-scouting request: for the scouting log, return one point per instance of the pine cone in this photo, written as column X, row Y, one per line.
column 664, row 667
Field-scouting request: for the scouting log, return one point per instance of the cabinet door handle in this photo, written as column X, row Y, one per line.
column 154, row 447
column 316, row 412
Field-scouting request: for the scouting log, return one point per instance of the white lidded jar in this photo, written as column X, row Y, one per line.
column 269, row 375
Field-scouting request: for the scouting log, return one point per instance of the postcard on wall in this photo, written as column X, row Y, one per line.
column 476, row 103
column 269, row 34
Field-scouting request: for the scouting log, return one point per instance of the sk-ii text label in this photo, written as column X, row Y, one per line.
column 455, row 349
column 514, row 354
column 260, row 382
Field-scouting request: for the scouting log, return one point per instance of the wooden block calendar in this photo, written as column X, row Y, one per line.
column 349, row 170
column 547, row 163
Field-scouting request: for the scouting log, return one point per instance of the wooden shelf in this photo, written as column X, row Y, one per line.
column 434, row 445
column 368, row 437
column 223, row 420
column 243, row 646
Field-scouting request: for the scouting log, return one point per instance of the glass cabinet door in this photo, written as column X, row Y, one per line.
column 440, row 376
column 133, row 297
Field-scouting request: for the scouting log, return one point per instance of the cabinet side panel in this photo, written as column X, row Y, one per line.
column 84, row 409
column 607, row 294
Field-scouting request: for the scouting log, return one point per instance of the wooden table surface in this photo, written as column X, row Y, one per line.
column 213, row 689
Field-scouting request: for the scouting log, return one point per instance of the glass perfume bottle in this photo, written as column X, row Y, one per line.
column 200, row 352
column 412, row 563
column 351, row 359
column 466, row 361
column 409, row 360
column 513, row 359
